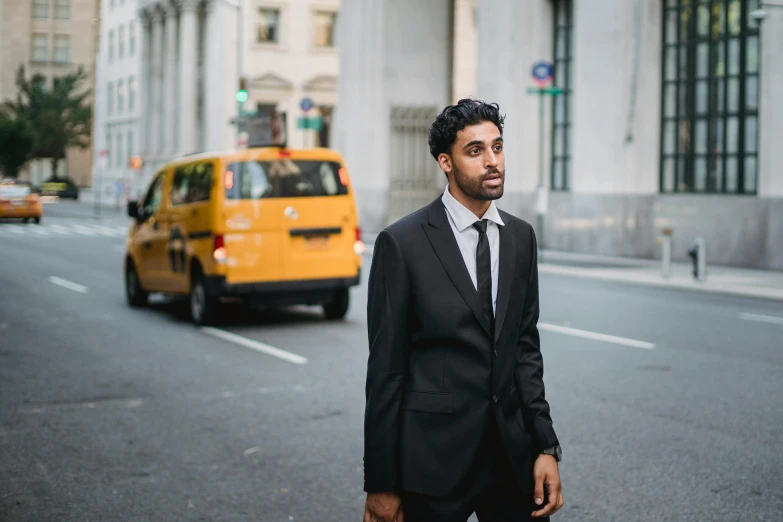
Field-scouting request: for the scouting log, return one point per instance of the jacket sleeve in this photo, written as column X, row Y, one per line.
column 529, row 374
column 388, row 325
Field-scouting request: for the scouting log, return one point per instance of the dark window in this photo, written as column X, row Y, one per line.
column 561, row 105
column 709, row 138
column 284, row 178
column 191, row 183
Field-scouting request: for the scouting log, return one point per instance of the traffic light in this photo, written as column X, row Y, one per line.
column 241, row 95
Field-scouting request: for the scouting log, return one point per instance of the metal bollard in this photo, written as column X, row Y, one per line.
column 698, row 254
column 666, row 252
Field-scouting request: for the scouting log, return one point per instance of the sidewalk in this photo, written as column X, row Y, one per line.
column 764, row 284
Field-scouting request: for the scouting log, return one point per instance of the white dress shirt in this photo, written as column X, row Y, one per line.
column 461, row 220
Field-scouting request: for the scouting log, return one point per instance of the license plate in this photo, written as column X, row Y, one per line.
column 317, row 243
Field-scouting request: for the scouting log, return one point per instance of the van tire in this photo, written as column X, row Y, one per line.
column 338, row 307
column 203, row 307
column 134, row 292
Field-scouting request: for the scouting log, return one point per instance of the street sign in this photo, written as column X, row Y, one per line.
column 315, row 123
column 542, row 73
column 553, row 91
column 306, row 104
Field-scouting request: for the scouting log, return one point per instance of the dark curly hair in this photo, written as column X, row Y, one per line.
column 454, row 118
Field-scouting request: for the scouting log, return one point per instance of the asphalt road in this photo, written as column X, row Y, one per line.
column 108, row 413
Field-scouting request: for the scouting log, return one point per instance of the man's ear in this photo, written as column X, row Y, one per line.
column 444, row 161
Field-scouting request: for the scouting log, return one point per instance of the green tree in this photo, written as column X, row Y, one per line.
column 16, row 145
column 59, row 116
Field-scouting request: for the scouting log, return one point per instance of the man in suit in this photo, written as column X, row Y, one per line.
column 456, row 421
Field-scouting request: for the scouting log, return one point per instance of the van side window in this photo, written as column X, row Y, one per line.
column 250, row 181
column 191, row 183
column 153, row 196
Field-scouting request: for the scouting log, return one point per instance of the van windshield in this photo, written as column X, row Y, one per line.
column 15, row 190
column 283, row 178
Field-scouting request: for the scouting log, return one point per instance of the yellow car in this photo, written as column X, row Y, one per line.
column 19, row 200
column 273, row 226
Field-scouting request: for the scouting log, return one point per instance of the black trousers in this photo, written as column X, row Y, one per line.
column 494, row 495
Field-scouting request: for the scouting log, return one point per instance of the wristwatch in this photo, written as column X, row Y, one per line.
column 555, row 451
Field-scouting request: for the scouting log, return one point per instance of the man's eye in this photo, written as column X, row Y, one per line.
column 498, row 147
column 475, row 151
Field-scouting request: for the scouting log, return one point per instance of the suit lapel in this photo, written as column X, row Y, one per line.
column 445, row 245
column 505, row 272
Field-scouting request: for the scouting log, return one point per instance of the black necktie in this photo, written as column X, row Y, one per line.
column 484, row 272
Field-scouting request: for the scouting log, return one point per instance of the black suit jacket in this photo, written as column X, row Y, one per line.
column 436, row 373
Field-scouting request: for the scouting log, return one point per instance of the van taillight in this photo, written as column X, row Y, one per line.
column 219, row 252
column 358, row 244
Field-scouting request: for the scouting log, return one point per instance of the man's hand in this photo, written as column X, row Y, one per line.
column 383, row 507
column 547, row 476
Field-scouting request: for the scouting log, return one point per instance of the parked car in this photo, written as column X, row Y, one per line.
column 62, row 189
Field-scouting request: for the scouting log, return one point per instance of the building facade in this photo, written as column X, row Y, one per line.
column 51, row 38
column 116, row 130
column 195, row 51
column 668, row 117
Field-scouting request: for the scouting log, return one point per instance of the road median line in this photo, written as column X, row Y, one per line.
column 254, row 345
column 585, row 334
column 70, row 285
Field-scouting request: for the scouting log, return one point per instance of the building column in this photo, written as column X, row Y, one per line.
column 391, row 165
column 145, row 82
column 156, row 84
column 170, row 82
column 188, row 26
column 516, row 40
column 770, row 183
column 214, row 64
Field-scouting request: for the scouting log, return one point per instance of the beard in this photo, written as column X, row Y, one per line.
column 474, row 187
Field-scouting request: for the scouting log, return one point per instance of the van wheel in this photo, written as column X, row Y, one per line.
column 136, row 295
column 203, row 307
column 339, row 305
column 37, row 221
column 26, row 220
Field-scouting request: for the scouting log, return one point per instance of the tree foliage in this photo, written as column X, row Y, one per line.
column 59, row 115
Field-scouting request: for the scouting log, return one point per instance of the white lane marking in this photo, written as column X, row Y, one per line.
column 595, row 336
column 761, row 318
column 16, row 229
column 70, row 285
column 40, row 231
column 254, row 345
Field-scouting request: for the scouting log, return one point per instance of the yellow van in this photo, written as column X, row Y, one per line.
column 271, row 225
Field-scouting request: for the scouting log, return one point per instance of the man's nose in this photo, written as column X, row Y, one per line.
column 491, row 160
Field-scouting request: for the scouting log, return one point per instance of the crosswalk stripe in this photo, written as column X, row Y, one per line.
column 81, row 229
column 59, row 229
column 106, row 231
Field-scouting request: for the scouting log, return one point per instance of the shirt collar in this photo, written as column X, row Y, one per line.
column 463, row 217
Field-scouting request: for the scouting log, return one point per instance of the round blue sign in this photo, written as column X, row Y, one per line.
column 306, row 104
column 542, row 71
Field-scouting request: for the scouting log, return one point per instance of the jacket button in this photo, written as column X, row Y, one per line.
column 495, row 398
